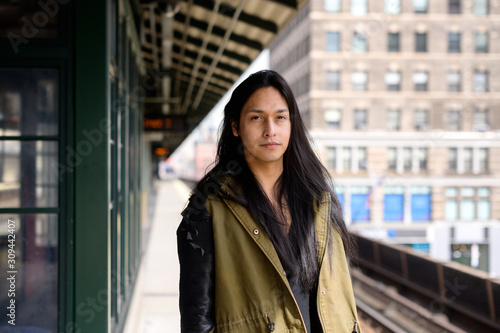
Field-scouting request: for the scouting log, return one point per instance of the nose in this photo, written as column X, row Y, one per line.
column 270, row 128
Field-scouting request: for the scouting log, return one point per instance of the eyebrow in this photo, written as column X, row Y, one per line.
column 261, row 111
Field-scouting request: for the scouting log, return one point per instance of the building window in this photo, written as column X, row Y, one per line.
column 483, row 205
column 421, row 120
column 359, row 7
column 451, row 205
column 360, row 203
column 480, row 81
column 332, row 6
column 333, row 80
column 333, row 118
column 347, row 158
column 481, row 7
column 453, row 119
column 422, row 157
column 468, row 161
column 407, row 158
column 420, row 6
column 420, row 203
column 454, row 81
column 481, row 44
column 362, row 164
column 454, row 7
column 480, row 121
column 393, row 7
column 421, row 42
column 359, row 80
column 331, row 158
column 392, row 160
column 483, row 159
column 452, row 159
column 393, row 120
column 393, row 42
column 394, row 201
column 359, row 43
column 393, row 80
column 420, row 80
column 333, row 41
column 454, row 42
column 360, row 119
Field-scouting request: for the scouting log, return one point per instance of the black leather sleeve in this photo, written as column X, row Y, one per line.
column 195, row 249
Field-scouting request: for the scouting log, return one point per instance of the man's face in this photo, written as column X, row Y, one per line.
column 264, row 128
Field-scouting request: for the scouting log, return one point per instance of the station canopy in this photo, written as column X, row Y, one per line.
column 196, row 50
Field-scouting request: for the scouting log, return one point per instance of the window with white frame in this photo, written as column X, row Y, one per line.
column 392, row 160
column 467, row 204
column 481, row 7
column 392, row 7
column 393, row 42
column 333, row 6
column 331, row 158
column 346, row 158
column 420, row 6
column 483, row 204
column 420, row 80
column 421, row 119
column 422, row 157
column 454, row 42
column 481, row 42
column 407, row 158
column 452, row 159
column 468, row 159
column 483, row 159
column 393, row 80
column 360, row 119
column 333, row 80
column 454, row 81
column 359, row 80
column 362, row 158
column 453, row 120
column 333, row 41
column 359, row 42
column 480, row 81
column 333, row 118
column 480, row 121
column 451, row 204
column 359, row 7
column 393, row 120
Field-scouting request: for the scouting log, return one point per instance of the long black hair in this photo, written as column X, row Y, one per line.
column 303, row 182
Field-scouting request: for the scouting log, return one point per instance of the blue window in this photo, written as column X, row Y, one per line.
column 394, row 201
column 360, row 203
column 333, row 41
column 420, row 203
column 423, row 247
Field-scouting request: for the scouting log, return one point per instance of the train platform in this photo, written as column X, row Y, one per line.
column 155, row 304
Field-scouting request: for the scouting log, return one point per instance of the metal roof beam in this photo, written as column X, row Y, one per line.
column 204, row 71
column 218, row 31
column 214, row 48
column 244, row 17
column 208, row 61
column 289, row 3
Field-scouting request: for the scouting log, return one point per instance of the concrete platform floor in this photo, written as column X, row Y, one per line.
column 154, row 307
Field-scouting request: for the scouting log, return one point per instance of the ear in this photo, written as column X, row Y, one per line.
column 234, row 126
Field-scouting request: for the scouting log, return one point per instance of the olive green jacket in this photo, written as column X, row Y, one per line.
column 252, row 293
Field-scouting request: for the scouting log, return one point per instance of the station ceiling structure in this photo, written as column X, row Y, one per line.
column 197, row 49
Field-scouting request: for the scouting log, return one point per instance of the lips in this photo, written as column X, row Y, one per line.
column 270, row 144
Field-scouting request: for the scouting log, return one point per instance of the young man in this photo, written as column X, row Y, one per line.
column 262, row 245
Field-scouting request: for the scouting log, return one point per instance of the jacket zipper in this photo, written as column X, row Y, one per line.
column 318, row 296
column 271, row 323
